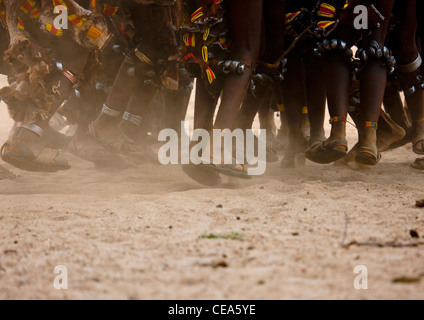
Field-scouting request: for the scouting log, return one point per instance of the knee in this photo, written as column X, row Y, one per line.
column 249, row 54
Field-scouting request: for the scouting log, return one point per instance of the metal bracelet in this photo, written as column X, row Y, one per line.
column 67, row 74
column 143, row 58
column 134, row 119
column 411, row 67
column 33, row 127
column 110, row 112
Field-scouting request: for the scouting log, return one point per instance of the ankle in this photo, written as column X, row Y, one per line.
column 418, row 124
column 30, row 130
column 318, row 134
column 338, row 127
column 368, row 136
column 31, row 135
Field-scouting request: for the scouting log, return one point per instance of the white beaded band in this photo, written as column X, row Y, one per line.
column 136, row 120
column 110, row 112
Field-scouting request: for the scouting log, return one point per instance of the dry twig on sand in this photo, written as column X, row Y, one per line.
column 388, row 244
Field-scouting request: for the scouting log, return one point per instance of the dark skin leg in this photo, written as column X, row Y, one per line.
column 337, row 75
column 337, row 83
column 137, row 105
column 251, row 106
column 78, row 63
column 259, row 103
column 373, row 83
column 205, row 108
column 245, row 28
column 267, row 115
column 293, row 94
column 394, row 106
column 139, row 102
column 419, row 164
column 316, row 96
column 274, row 34
column 275, row 29
column 406, row 53
column 175, row 110
column 245, row 22
column 394, row 130
column 419, row 13
column 4, row 41
column 405, row 48
column 416, row 107
column 118, row 99
column 125, row 84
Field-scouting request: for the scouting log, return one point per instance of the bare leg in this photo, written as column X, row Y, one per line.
column 204, row 108
column 251, row 105
column 337, row 84
column 373, row 85
column 245, row 25
column 122, row 90
column 407, row 52
column 293, row 93
column 316, row 97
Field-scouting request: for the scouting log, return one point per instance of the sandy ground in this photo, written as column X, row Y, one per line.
column 137, row 233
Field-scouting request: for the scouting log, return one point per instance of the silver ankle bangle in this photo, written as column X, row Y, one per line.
column 110, row 112
column 34, row 128
column 136, row 120
column 411, row 67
